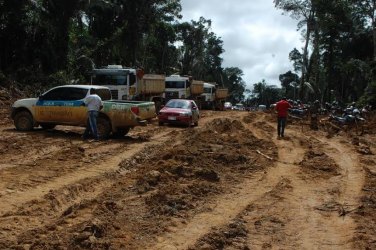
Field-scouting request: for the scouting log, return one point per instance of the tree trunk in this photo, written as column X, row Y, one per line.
column 305, row 54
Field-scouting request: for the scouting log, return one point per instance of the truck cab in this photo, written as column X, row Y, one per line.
column 118, row 79
column 177, row 87
column 130, row 84
column 209, row 92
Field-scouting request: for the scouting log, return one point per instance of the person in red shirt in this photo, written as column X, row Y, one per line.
column 282, row 108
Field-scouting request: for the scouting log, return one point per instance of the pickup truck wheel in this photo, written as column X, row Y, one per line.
column 23, row 121
column 121, row 132
column 47, row 126
column 160, row 123
column 104, row 127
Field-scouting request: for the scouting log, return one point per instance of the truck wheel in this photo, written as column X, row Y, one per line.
column 23, row 121
column 121, row 132
column 47, row 126
column 160, row 123
column 104, row 127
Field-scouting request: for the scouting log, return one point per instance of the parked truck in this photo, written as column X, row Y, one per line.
column 214, row 97
column 184, row 87
column 130, row 84
column 64, row 105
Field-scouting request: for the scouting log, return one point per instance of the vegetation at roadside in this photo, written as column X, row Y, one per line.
column 52, row 42
column 337, row 61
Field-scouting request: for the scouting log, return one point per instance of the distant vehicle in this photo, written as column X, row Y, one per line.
column 228, row 105
column 214, row 96
column 184, row 87
column 262, row 107
column 179, row 111
column 239, row 106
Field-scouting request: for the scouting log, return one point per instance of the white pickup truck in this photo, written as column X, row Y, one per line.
column 63, row 105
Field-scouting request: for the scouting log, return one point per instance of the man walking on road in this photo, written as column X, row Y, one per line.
column 94, row 104
column 282, row 108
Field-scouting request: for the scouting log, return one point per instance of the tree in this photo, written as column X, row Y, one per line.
column 266, row 94
column 193, row 37
column 367, row 9
column 232, row 79
column 287, row 79
column 304, row 11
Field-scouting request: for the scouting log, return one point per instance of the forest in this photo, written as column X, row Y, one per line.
column 52, row 42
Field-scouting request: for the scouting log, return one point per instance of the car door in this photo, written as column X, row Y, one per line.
column 62, row 105
column 74, row 112
column 49, row 107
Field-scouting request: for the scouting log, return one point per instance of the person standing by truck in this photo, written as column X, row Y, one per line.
column 94, row 104
column 282, row 108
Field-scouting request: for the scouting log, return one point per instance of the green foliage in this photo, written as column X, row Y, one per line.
column 339, row 40
column 266, row 94
column 232, row 79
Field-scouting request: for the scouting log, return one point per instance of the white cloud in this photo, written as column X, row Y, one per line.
column 257, row 38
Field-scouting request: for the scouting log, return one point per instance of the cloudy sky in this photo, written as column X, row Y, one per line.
column 257, row 38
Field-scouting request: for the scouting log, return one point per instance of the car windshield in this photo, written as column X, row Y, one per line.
column 180, row 104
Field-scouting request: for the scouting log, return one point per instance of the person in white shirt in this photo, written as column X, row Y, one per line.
column 94, row 104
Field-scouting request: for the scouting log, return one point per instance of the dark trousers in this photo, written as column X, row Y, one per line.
column 91, row 126
column 281, row 126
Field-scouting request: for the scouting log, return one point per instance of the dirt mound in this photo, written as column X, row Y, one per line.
column 7, row 97
column 232, row 236
column 318, row 164
column 222, row 151
column 225, row 125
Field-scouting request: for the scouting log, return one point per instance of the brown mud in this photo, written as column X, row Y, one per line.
column 229, row 183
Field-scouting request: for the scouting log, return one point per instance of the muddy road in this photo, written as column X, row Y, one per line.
column 226, row 184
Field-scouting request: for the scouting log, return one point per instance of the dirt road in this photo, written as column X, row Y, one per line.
column 227, row 184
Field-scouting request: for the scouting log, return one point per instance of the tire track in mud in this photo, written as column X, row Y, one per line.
column 11, row 200
column 48, row 205
column 75, row 192
column 296, row 217
column 291, row 214
column 224, row 209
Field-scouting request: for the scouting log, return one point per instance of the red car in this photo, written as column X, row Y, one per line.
column 179, row 111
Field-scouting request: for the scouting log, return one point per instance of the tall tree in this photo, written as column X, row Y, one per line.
column 232, row 78
column 304, row 12
column 367, row 8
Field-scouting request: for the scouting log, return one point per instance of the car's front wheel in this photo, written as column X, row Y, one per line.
column 23, row 121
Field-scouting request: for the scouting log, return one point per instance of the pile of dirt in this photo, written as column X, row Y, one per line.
column 318, row 164
column 223, row 151
column 365, row 215
column 233, row 236
column 7, row 97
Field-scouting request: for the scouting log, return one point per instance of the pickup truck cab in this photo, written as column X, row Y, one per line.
column 64, row 105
